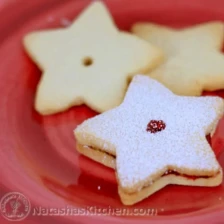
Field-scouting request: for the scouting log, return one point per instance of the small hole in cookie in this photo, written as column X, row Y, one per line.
column 87, row 61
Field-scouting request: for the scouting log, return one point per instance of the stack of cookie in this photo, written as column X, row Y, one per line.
column 154, row 138
column 153, row 126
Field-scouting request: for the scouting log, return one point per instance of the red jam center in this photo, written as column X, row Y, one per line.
column 155, row 126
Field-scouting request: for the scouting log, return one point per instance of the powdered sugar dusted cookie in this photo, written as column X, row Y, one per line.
column 89, row 62
column 193, row 59
column 157, row 137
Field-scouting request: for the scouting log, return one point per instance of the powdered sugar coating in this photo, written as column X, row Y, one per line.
column 141, row 155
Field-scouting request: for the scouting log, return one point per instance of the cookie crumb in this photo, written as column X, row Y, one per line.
column 65, row 22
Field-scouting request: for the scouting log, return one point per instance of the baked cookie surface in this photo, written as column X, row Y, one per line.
column 89, row 62
column 194, row 61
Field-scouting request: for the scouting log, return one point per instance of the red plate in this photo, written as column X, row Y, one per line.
column 38, row 156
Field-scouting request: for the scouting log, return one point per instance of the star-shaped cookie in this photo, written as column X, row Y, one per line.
column 193, row 62
column 89, row 62
column 154, row 132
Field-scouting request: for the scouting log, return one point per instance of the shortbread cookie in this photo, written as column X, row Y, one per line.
column 154, row 132
column 207, row 35
column 193, row 62
column 89, row 62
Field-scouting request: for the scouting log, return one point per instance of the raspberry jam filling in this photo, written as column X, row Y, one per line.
column 155, row 126
column 90, row 147
column 169, row 172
